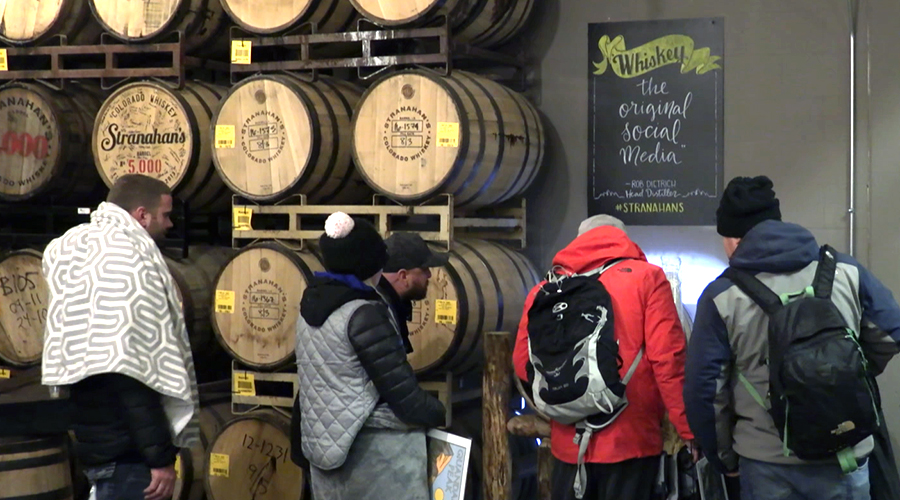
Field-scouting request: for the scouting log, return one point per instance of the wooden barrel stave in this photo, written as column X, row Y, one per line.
column 195, row 280
column 486, row 23
column 176, row 124
column 258, row 449
column 330, row 16
column 411, row 12
column 512, row 23
column 44, row 153
column 215, row 413
column 28, row 22
column 201, row 22
column 204, row 188
column 269, row 275
column 308, row 149
column 491, row 153
column 488, row 284
column 24, row 297
column 494, row 22
column 35, row 466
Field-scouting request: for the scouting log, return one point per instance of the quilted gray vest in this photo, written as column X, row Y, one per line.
column 336, row 395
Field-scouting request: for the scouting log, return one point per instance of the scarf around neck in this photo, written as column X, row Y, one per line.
column 114, row 309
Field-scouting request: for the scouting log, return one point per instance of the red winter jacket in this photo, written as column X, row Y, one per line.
column 644, row 314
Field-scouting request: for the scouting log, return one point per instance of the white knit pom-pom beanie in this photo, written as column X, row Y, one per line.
column 351, row 245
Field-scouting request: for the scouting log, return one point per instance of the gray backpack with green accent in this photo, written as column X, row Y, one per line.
column 820, row 387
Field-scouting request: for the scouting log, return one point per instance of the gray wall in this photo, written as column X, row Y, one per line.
column 787, row 112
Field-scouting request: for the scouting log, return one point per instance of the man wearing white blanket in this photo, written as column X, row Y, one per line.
column 116, row 337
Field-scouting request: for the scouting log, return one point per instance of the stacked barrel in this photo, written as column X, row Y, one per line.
column 410, row 136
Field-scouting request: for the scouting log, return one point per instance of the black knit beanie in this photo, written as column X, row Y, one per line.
column 352, row 246
column 745, row 203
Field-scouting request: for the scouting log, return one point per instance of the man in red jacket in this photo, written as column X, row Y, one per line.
column 623, row 458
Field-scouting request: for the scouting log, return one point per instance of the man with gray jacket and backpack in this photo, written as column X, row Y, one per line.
column 779, row 384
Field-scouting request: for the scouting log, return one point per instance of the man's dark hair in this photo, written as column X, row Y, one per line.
column 135, row 190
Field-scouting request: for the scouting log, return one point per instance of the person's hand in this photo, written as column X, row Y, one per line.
column 162, row 483
column 695, row 450
column 733, row 474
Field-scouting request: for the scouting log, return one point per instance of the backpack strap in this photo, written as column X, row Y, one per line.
column 824, row 280
column 553, row 277
column 585, row 431
column 755, row 289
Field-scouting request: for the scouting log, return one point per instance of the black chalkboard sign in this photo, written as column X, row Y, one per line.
column 656, row 121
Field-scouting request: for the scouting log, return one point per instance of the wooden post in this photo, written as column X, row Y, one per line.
column 497, row 473
column 544, row 469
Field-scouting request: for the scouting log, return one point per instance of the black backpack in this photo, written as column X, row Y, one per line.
column 820, row 386
column 574, row 357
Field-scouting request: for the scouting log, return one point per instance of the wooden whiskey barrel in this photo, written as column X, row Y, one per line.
column 24, row 297
column 492, row 25
column 35, row 467
column 258, row 302
column 215, row 413
column 27, row 22
column 486, row 23
column 251, row 458
column 151, row 129
column 201, row 22
column 482, row 288
column 417, row 133
column 290, row 136
column 44, row 137
column 330, row 16
column 195, row 281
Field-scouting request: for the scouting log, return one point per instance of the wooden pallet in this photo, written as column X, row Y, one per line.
column 26, row 225
column 111, row 62
column 252, row 390
column 293, row 223
column 23, row 385
column 441, row 388
column 370, row 49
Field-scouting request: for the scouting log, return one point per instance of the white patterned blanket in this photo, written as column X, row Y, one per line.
column 114, row 309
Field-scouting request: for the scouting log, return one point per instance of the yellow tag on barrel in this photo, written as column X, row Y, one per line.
column 240, row 51
column 218, row 464
column 244, row 384
column 224, row 137
column 243, row 216
column 224, row 301
column 445, row 312
column 448, row 135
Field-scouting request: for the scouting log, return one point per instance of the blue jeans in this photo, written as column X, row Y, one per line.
column 766, row 481
column 122, row 481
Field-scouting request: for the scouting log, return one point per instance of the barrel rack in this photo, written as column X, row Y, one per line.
column 370, row 49
column 26, row 225
column 293, row 223
column 252, row 390
column 111, row 62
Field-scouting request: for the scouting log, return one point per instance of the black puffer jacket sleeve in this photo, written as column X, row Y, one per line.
column 383, row 356
column 147, row 422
